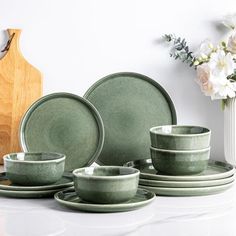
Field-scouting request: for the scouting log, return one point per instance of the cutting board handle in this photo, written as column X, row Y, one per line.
column 14, row 44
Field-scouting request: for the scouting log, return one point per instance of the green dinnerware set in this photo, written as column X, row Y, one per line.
column 62, row 134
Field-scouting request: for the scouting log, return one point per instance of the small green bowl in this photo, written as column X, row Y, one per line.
column 174, row 162
column 180, row 137
column 34, row 168
column 106, row 184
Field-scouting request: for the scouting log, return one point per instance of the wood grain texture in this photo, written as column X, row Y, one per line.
column 20, row 86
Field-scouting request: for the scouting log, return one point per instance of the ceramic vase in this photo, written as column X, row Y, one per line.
column 230, row 131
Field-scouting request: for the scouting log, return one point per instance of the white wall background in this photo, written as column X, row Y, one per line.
column 76, row 42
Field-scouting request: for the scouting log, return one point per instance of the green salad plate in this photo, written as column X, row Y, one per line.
column 129, row 104
column 215, row 170
column 69, row 199
column 6, row 184
column 64, row 123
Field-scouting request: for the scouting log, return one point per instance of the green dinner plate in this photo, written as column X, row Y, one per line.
column 63, row 123
column 215, row 170
column 129, row 104
column 68, row 198
column 178, row 192
column 6, row 184
column 29, row 194
column 186, row 184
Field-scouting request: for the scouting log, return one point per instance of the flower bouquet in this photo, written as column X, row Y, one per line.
column 215, row 64
column 216, row 75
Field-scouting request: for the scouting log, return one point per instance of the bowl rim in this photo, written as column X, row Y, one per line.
column 180, row 135
column 61, row 157
column 108, row 177
column 181, row 151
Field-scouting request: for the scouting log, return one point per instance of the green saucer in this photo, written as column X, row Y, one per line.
column 6, row 184
column 68, row 198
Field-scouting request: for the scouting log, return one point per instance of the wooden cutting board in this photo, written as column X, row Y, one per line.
column 20, row 86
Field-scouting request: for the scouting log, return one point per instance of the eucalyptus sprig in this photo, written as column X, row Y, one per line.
column 180, row 50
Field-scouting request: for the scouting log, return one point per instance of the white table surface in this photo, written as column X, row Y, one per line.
column 213, row 215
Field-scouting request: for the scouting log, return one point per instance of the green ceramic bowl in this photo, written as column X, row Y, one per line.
column 174, row 162
column 34, row 168
column 106, row 184
column 180, row 137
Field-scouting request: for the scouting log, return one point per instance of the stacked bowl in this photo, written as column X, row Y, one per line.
column 180, row 165
column 180, row 150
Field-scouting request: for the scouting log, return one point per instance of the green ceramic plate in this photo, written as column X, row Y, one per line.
column 186, row 184
column 29, row 194
column 68, row 198
column 215, row 170
column 188, row 191
column 129, row 104
column 64, row 123
column 6, row 184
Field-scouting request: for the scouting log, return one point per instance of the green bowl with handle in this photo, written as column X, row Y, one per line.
column 175, row 162
column 180, row 137
column 106, row 184
column 34, row 169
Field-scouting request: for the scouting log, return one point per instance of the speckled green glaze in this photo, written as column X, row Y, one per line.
column 178, row 192
column 70, row 199
column 107, row 184
column 180, row 162
column 180, row 137
column 64, row 123
column 129, row 104
column 214, row 170
column 34, row 168
column 6, row 184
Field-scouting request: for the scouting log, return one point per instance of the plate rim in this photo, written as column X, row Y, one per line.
column 50, row 96
column 138, row 76
column 104, row 207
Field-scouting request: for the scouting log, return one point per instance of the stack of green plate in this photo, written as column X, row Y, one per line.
column 216, row 178
column 8, row 189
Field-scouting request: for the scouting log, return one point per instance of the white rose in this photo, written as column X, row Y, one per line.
column 213, row 86
column 231, row 46
column 203, row 79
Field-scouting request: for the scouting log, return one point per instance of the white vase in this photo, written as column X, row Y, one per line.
column 230, row 131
